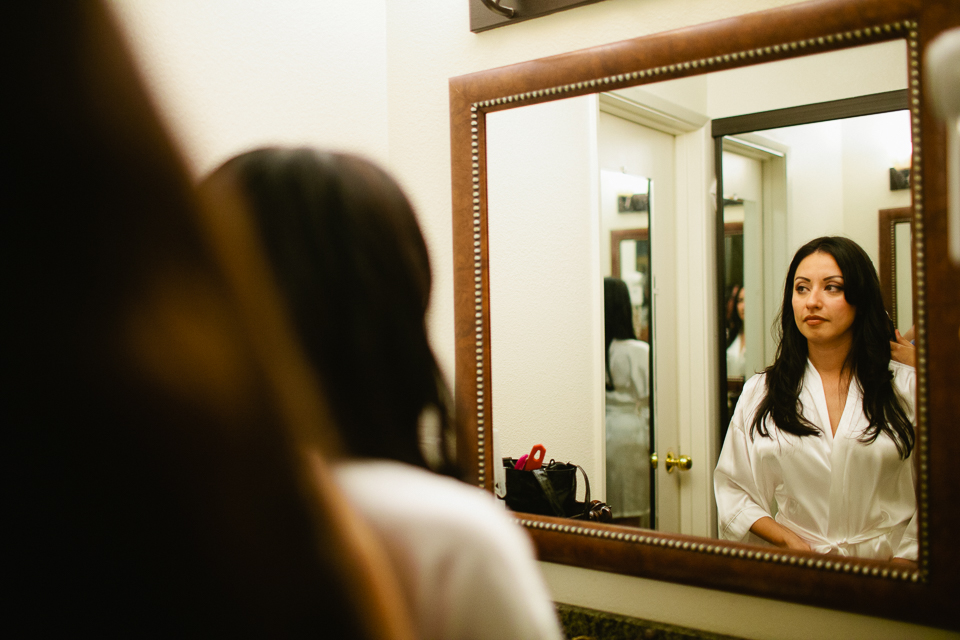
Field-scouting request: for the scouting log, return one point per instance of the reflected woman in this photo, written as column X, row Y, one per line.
column 628, row 409
column 817, row 456
column 736, row 339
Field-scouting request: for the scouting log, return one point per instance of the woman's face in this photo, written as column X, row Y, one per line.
column 740, row 304
column 820, row 308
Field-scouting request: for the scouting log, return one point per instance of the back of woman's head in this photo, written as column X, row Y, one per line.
column 617, row 318
column 348, row 253
column 153, row 395
column 617, row 311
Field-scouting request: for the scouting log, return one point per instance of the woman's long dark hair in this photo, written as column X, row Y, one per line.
column 617, row 318
column 153, row 449
column 868, row 361
column 349, row 256
column 734, row 321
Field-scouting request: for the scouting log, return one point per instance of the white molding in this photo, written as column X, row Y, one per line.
column 697, row 344
column 652, row 111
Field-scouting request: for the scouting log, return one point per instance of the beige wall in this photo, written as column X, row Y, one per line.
column 234, row 74
column 544, row 253
column 371, row 76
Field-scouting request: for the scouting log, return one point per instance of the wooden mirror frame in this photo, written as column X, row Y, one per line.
column 616, row 237
column 928, row 595
column 888, row 219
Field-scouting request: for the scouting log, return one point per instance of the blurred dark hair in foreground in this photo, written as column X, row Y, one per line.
column 158, row 471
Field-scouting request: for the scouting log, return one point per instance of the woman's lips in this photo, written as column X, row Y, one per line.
column 814, row 320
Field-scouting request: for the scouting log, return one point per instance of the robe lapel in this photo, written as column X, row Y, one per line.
column 838, row 526
column 814, row 386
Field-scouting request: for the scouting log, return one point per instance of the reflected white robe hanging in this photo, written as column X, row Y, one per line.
column 628, row 430
column 838, row 494
column 736, row 358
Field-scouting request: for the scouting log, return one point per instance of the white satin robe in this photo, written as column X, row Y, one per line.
column 737, row 358
column 628, row 431
column 840, row 495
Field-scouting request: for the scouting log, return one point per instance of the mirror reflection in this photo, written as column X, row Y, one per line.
column 625, row 217
column 817, row 456
column 627, row 426
column 837, row 172
column 555, row 165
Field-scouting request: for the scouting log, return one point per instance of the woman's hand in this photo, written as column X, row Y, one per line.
column 902, row 351
column 777, row 534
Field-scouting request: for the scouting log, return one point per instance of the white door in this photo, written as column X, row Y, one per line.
column 629, row 152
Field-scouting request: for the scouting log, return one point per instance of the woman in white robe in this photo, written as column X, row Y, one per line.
column 837, row 494
column 737, row 345
column 835, row 476
column 627, row 410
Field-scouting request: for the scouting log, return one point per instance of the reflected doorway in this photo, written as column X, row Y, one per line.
column 629, row 396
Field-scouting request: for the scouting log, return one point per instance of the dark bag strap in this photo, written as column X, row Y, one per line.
column 544, row 481
column 586, row 494
column 586, row 487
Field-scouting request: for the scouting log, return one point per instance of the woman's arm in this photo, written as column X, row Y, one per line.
column 743, row 494
column 777, row 534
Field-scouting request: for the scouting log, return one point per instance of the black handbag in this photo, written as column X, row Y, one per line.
column 551, row 490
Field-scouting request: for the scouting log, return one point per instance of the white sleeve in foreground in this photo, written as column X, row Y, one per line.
column 503, row 594
column 467, row 570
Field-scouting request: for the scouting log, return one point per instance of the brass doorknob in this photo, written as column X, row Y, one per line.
column 683, row 462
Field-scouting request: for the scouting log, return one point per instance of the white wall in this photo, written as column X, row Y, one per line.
column 742, row 178
column 808, row 80
column 232, row 74
column 543, row 222
column 814, row 182
column 632, row 150
column 871, row 146
column 838, row 176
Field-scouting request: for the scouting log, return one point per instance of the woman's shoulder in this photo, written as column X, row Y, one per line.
column 392, row 477
column 755, row 386
column 634, row 346
column 754, row 390
column 409, row 496
column 736, row 342
column 901, row 370
column 451, row 541
column 904, row 379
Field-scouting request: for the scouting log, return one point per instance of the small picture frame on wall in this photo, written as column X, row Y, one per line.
column 633, row 203
column 899, row 179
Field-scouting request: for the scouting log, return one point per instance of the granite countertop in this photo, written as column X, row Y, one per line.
column 589, row 624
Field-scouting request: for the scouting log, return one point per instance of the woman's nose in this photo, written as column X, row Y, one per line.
column 813, row 300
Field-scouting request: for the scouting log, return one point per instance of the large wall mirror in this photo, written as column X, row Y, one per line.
column 688, row 167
